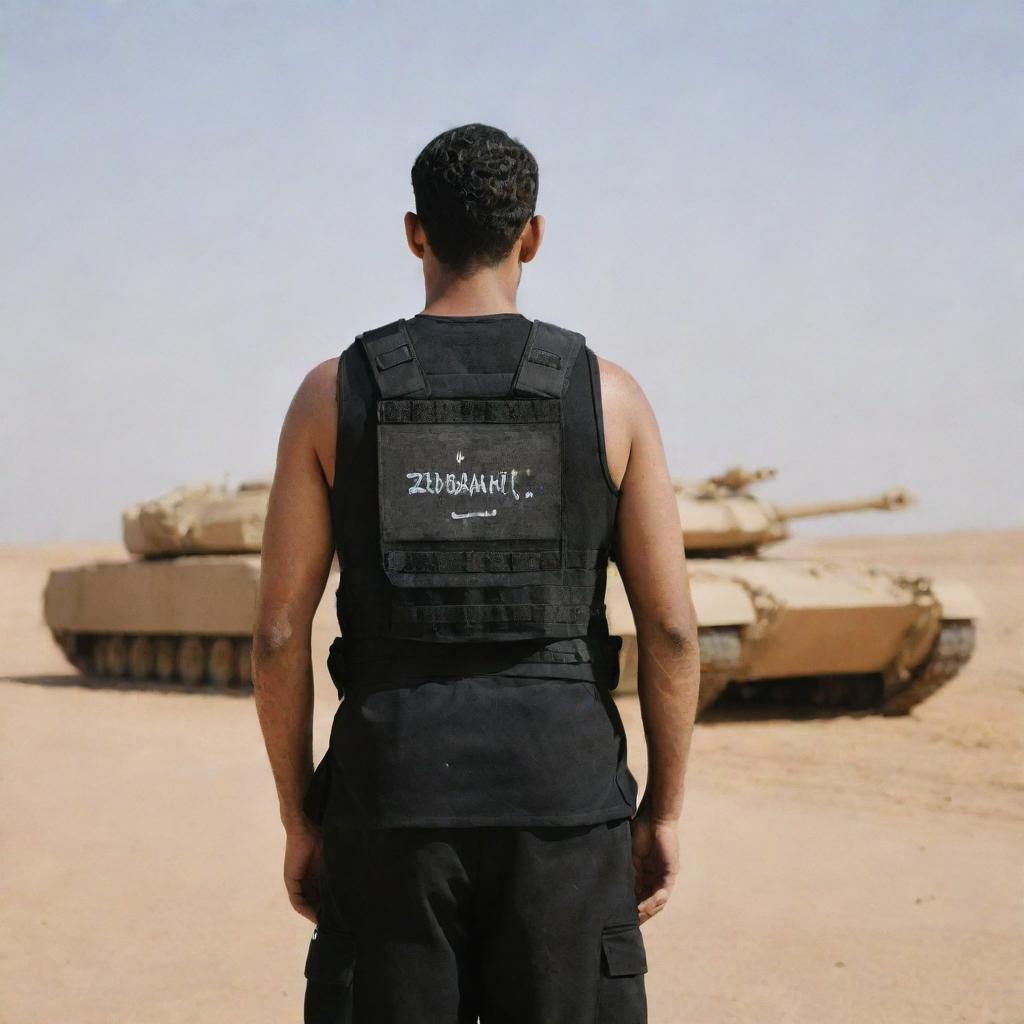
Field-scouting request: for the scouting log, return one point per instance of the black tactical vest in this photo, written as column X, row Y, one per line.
column 473, row 514
column 471, row 502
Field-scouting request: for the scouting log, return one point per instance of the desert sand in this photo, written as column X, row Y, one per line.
column 843, row 868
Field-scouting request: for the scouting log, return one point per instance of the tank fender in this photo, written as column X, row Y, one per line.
column 957, row 599
column 721, row 602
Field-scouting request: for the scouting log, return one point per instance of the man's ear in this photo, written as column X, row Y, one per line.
column 531, row 237
column 415, row 235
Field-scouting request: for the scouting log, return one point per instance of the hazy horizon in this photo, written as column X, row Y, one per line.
column 800, row 226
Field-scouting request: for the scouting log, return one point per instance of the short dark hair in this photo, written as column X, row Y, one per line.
column 475, row 190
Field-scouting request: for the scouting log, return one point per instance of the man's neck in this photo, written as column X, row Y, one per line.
column 488, row 291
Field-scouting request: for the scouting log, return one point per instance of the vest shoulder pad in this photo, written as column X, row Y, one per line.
column 392, row 359
column 547, row 361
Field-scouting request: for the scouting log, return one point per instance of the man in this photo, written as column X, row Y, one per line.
column 470, row 847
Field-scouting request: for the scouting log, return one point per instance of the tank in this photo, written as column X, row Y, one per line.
column 179, row 609
column 774, row 628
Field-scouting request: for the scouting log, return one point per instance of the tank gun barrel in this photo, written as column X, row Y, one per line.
column 887, row 501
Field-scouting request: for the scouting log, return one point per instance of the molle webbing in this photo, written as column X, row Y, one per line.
column 472, row 561
column 471, row 410
column 491, row 561
column 454, row 616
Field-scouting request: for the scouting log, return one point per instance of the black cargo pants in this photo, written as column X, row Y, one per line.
column 451, row 925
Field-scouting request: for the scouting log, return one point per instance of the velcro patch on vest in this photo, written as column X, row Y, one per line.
column 394, row 357
column 460, row 478
column 549, row 359
column 471, row 482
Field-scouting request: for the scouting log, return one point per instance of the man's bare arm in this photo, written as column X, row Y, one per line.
column 296, row 562
column 653, row 569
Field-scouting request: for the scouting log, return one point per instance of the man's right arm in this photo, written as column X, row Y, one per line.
column 650, row 558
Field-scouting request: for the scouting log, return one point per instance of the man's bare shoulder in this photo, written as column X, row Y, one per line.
column 626, row 407
column 320, row 384
column 314, row 412
column 315, row 402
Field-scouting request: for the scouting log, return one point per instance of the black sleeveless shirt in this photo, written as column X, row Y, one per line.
column 503, row 732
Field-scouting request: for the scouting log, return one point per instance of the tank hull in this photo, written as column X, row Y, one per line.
column 205, row 595
column 820, row 623
column 184, row 620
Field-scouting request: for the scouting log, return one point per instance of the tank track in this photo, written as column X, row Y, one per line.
column 183, row 660
column 952, row 650
column 856, row 692
column 721, row 651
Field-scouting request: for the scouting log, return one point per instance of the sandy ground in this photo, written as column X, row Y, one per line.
column 847, row 868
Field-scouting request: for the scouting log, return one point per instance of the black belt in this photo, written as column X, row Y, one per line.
column 375, row 662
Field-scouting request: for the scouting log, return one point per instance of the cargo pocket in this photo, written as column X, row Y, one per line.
column 621, row 995
column 330, row 973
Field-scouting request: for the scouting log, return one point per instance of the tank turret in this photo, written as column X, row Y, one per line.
column 888, row 501
column 789, row 629
column 198, row 519
column 721, row 516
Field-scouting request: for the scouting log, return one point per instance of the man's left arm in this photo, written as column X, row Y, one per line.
column 298, row 549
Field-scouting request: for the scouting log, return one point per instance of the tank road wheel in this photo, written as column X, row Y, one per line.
column 828, row 691
column 863, row 692
column 98, row 661
column 952, row 650
column 243, row 652
column 720, row 653
column 117, row 655
column 166, row 658
column 191, row 660
column 222, row 662
column 141, row 657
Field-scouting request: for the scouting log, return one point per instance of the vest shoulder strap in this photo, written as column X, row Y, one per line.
column 547, row 361
column 392, row 360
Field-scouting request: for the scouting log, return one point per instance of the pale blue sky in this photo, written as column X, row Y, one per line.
column 799, row 225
